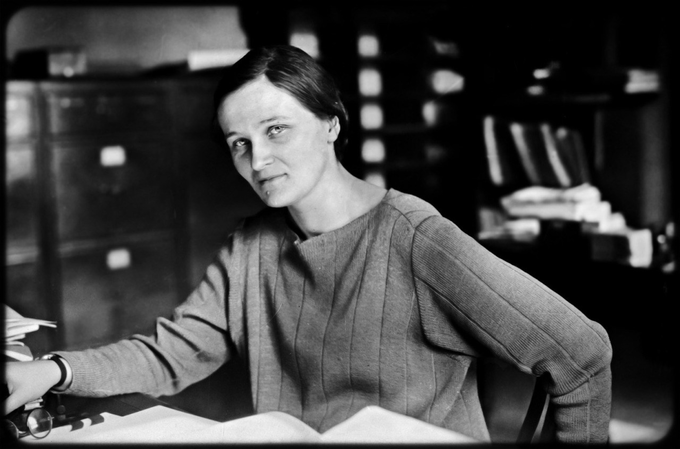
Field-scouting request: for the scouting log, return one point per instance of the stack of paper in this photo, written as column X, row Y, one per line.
column 581, row 203
column 16, row 328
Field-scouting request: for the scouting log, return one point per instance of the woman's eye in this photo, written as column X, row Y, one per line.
column 238, row 147
column 277, row 129
column 240, row 143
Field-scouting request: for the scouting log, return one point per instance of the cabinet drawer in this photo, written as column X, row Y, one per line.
column 196, row 104
column 21, row 201
column 20, row 112
column 91, row 111
column 112, row 189
column 116, row 291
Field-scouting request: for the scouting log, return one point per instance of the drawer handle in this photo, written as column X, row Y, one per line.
column 112, row 156
column 118, row 259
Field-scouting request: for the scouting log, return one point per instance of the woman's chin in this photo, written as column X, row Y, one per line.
column 274, row 199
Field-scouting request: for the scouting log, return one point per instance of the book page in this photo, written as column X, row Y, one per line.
column 270, row 427
column 374, row 424
column 161, row 424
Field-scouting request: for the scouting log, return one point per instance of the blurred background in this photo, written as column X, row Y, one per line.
column 544, row 133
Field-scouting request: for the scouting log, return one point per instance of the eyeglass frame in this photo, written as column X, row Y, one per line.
column 14, row 428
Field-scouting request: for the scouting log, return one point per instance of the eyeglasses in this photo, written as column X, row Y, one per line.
column 36, row 422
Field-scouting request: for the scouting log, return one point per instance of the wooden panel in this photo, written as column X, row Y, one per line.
column 111, row 293
column 112, row 189
column 21, row 203
column 194, row 106
column 20, row 118
column 101, row 109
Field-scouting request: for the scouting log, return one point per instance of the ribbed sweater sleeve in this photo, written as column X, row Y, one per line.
column 519, row 320
column 182, row 350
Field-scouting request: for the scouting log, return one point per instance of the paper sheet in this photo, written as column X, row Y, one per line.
column 373, row 424
column 270, row 427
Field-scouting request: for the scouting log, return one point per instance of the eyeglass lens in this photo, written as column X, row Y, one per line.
column 37, row 422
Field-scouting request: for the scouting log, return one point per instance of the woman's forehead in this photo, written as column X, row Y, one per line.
column 259, row 100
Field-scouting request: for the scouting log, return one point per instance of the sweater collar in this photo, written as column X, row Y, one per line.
column 356, row 226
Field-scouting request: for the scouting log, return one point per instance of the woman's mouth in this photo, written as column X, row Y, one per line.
column 271, row 181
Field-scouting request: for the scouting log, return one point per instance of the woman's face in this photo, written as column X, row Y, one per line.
column 280, row 147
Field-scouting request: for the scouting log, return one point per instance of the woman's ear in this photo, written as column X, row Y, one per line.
column 333, row 129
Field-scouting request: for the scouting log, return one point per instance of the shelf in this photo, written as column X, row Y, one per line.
column 84, row 246
column 21, row 256
column 572, row 251
column 512, row 102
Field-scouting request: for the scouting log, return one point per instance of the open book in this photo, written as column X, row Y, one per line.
column 164, row 425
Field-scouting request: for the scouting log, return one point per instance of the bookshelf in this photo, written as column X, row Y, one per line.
column 611, row 86
column 595, row 79
column 402, row 73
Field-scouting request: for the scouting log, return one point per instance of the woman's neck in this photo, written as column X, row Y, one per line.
column 339, row 203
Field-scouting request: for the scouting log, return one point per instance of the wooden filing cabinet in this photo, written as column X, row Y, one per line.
column 89, row 108
column 95, row 210
column 117, row 200
column 25, row 281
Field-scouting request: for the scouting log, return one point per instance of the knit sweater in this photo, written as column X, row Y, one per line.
column 392, row 309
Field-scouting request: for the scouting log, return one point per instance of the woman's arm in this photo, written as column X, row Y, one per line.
column 519, row 320
column 182, row 350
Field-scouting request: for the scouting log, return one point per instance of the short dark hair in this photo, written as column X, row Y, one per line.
column 294, row 71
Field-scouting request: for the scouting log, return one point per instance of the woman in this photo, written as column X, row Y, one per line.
column 342, row 294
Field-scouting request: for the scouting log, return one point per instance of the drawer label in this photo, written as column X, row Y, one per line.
column 112, row 156
column 118, row 259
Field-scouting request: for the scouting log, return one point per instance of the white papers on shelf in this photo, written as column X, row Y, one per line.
column 580, row 203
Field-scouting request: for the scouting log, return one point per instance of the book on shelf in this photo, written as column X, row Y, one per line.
column 543, row 167
column 160, row 424
column 503, row 160
column 529, row 163
column 521, row 154
column 555, row 157
column 569, row 145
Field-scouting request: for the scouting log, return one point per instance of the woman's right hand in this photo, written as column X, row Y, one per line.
column 27, row 381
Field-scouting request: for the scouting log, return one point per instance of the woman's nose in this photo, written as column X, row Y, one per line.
column 261, row 156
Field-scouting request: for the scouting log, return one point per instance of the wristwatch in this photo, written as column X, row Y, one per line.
column 64, row 368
